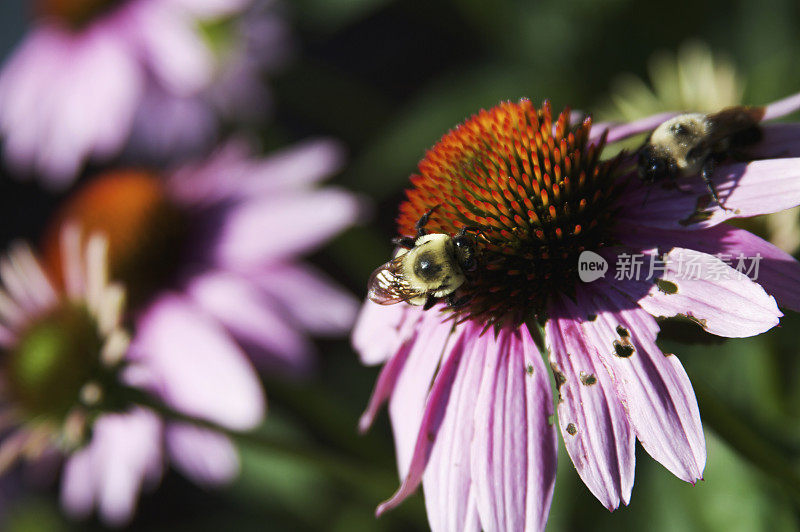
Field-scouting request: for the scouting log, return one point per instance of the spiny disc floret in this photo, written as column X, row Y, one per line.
column 536, row 190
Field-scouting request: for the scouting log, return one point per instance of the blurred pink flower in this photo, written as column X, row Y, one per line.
column 67, row 381
column 86, row 83
column 215, row 248
column 469, row 395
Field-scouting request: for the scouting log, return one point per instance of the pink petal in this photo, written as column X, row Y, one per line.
column 759, row 187
column 380, row 329
column 449, row 490
column 211, row 9
column 233, row 173
column 722, row 300
column 429, row 423
column 654, row 389
column 514, row 448
column 201, row 371
column 295, row 167
column 267, row 230
column 255, row 320
column 778, row 272
column 111, row 470
column 78, row 484
column 779, row 141
column 310, row 298
column 782, row 107
column 174, row 48
column 384, row 386
column 630, row 129
column 594, row 426
column 204, row 456
column 408, row 402
column 64, row 97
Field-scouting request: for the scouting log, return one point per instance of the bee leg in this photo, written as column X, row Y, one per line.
column 708, row 170
column 470, row 228
column 423, row 221
column 431, row 301
column 457, row 303
column 404, row 241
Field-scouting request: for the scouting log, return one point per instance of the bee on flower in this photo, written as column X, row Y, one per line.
column 469, row 396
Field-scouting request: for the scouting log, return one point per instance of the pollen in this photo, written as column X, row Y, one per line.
column 537, row 193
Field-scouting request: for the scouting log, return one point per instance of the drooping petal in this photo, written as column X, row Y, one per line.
column 594, row 426
column 758, row 187
column 78, row 484
column 204, row 456
column 778, row 272
column 384, row 386
column 408, row 402
column 415, row 458
column 255, row 320
column 198, row 369
column 379, row 329
column 264, row 231
column 653, row 387
column 122, row 454
column 449, row 490
column 514, row 446
column 703, row 288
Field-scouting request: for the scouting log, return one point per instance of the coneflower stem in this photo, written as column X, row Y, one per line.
column 745, row 441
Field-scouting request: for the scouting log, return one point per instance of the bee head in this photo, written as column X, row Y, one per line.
column 465, row 252
column 655, row 165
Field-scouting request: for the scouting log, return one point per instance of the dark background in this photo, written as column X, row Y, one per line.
column 388, row 78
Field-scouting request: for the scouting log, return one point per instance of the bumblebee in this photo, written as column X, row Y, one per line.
column 696, row 143
column 426, row 268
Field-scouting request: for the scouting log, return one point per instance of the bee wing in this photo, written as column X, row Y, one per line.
column 387, row 285
column 734, row 119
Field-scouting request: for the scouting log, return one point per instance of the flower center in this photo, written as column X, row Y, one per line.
column 53, row 361
column 535, row 190
column 145, row 230
column 74, row 13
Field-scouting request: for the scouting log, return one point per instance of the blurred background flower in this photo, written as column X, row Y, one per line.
column 70, row 387
column 212, row 249
column 693, row 79
column 156, row 76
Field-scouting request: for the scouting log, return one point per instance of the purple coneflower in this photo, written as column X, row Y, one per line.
column 93, row 77
column 209, row 255
column 469, row 395
column 71, row 387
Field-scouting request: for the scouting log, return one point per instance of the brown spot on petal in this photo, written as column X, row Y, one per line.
column 623, row 350
column 529, row 369
column 591, row 317
column 623, row 347
column 588, row 379
column 572, row 430
column 667, row 287
column 559, row 376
